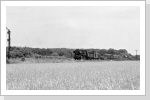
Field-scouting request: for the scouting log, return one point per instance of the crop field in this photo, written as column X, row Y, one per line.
column 88, row 75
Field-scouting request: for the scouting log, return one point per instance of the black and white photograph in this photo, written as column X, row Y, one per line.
column 83, row 47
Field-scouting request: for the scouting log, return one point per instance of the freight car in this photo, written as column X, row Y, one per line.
column 92, row 55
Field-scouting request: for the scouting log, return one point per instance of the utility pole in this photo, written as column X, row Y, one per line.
column 8, row 51
column 136, row 54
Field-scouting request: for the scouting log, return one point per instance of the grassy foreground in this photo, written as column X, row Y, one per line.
column 111, row 75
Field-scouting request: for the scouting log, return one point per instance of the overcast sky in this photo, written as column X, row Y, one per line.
column 75, row 27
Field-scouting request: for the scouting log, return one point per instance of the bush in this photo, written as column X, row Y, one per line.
column 23, row 59
column 7, row 61
column 54, row 54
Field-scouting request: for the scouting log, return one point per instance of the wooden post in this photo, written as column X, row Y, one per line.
column 136, row 54
column 8, row 51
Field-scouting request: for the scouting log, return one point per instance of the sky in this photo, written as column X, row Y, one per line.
column 99, row 27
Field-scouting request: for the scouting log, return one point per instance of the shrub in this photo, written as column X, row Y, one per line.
column 54, row 54
column 7, row 61
column 23, row 59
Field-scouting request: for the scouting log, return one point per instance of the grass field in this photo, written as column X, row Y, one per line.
column 109, row 75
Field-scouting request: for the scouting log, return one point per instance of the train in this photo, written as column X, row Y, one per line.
column 85, row 55
column 80, row 54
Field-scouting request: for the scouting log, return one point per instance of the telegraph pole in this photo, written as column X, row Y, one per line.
column 8, row 51
column 136, row 54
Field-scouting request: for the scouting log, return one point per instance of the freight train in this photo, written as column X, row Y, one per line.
column 93, row 55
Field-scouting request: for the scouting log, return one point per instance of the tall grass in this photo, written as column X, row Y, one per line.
column 113, row 75
column 39, row 60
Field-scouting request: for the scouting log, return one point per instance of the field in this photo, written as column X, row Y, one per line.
column 94, row 75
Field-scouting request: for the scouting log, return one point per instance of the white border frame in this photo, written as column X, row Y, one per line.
column 4, row 4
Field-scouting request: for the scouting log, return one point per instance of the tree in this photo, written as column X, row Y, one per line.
column 111, row 51
column 27, row 52
column 103, row 51
column 16, row 54
column 54, row 54
column 123, row 51
column 60, row 53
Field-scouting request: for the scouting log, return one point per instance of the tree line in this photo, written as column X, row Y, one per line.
column 28, row 52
